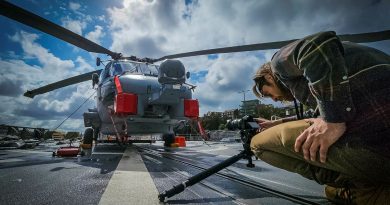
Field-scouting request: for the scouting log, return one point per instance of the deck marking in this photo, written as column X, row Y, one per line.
column 10, row 160
column 131, row 182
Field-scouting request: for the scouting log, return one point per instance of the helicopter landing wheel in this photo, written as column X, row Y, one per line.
column 88, row 136
column 122, row 141
column 168, row 139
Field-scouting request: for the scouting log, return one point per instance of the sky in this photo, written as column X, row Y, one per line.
column 155, row 28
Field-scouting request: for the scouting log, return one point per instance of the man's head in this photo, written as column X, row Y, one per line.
column 267, row 85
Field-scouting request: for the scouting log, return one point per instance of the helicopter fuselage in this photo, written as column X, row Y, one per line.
column 136, row 102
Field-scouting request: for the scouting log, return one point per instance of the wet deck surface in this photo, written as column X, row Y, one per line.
column 34, row 177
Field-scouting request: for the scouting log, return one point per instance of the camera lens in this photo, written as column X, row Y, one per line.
column 234, row 124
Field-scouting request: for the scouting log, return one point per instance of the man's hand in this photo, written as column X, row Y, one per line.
column 265, row 124
column 319, row 136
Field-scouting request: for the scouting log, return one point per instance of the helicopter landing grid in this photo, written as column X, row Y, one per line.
column 137, row 173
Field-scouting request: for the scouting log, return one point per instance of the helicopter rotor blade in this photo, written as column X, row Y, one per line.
column 61, row 84
column 23, row 16
column 232, row 49
column 357, row 38
column 366, row 37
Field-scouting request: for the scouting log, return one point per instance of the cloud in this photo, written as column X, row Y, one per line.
column 226, row 23
column 50, row 63
column 159, row 29
column 74, row 6
column 83, row 66
column 10, row 87
column 76, row 26
column 96, row 35
column 101, row 18
column 79, row 13
column 16, row 76
column 227, row 76
column 20, row 74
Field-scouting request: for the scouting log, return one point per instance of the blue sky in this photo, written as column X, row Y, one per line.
column 151, row 28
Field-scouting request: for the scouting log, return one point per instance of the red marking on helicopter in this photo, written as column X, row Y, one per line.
column 191, row 108
column 126, row 104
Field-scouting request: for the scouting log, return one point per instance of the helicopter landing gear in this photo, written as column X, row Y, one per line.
column 88, row 136
column 168, row 139
column 122, row 140
column 96, row 134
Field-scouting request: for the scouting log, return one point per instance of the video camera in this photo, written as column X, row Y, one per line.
column 248, row 128
column 245, row 123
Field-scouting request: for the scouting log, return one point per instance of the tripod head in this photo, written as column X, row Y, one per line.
column 248, row 128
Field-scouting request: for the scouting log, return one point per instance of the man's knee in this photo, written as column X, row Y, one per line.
column 280, row 135
column 278, row 138
column 266, row 140
column 290, row 131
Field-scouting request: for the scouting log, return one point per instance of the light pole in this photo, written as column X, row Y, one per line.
column 243, row 103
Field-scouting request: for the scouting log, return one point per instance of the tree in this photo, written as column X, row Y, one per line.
column 48, row 135
column 72, row 135
column 267, row 111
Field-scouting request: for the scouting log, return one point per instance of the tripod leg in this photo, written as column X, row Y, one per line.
column 200, row 176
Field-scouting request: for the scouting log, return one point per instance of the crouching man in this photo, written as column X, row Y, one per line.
column 347, row 147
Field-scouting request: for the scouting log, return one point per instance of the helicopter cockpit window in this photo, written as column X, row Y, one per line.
column 105, row 73
column 119, row 68
column 116, row 69
column 149, row 69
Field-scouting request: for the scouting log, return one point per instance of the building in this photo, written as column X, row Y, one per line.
column 210, row 113
column 231, row 114
column 249, row 107
column 58, row 135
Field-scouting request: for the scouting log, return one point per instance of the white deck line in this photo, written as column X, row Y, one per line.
column 10, row 160
column 131, row 182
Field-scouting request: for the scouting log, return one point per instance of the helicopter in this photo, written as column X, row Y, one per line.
column 135, row 96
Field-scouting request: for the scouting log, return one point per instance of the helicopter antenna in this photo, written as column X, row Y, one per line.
column 74, row 111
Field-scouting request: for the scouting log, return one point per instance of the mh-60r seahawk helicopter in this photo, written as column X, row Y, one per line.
column 134, row 96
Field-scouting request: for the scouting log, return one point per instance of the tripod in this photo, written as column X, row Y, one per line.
column 248, row 128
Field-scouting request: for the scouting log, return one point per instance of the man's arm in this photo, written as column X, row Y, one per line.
column 265, row 124
column 321, row 59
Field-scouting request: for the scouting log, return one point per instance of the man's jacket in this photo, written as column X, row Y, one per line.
column 349, row 82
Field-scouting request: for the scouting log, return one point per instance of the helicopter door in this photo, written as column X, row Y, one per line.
column 106, row 88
